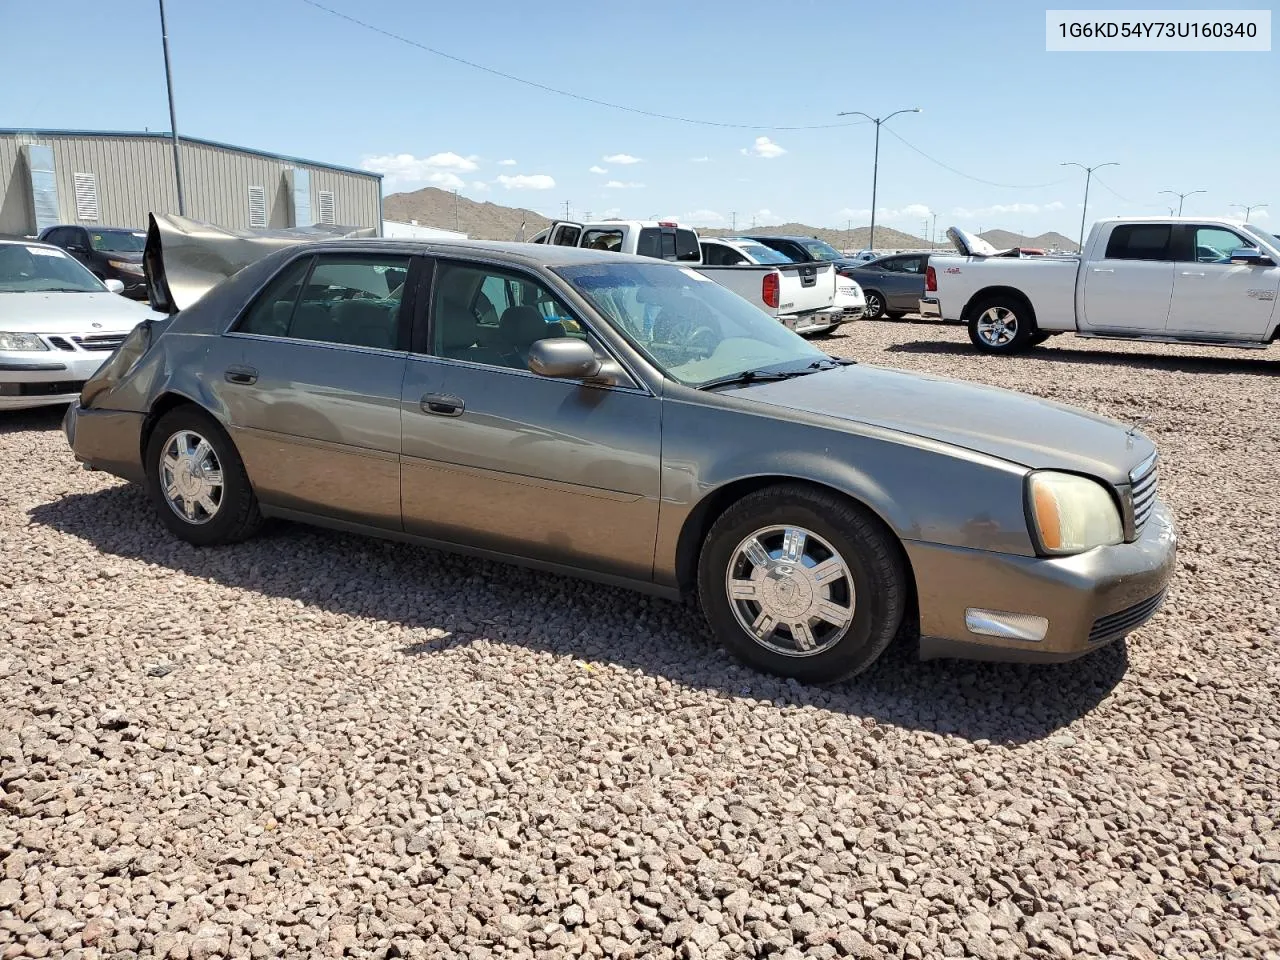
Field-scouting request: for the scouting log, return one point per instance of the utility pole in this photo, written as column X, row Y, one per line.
column 924, row 231
column 933, row 237
column 733, row 221
column 1088, row 175
column 875, row 167
column 1181, row 197
column 1249, row 209
column 173, row 116
column 566, row 209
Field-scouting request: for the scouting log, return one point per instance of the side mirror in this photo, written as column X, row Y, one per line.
column 565, row 357
column 115, row 286
column 1252, row 256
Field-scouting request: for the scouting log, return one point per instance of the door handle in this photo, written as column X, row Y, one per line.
column 1103, row 270
column 1191, row 273
column 443, row 405
column 241, row 375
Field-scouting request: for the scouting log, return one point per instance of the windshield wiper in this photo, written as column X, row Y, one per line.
column 761, row 376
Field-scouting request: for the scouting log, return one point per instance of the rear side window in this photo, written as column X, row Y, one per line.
column 603, row 240
column 687, row 246
column 649, row 243
column 1141, row 241
column 270, row 314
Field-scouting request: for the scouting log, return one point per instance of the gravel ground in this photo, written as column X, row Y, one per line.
column 315, row 744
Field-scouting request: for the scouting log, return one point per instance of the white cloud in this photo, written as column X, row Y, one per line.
column 764, row 148
column 526, row 181
column 623, row 185
column 916, row 210
column 700, row 218
column 597, row 169
column 699, row 159
column 766, row 218
column 506, row 163
column 611, row 213
column 622, row 159
column 439, row 169
column 479, row 186
column 1055, row 205
column 1005, row 209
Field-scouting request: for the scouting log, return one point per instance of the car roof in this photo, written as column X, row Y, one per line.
column 18, row 241
column 548, row 255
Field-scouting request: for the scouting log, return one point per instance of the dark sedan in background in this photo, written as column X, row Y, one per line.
column 893, row 285
column 110, row 253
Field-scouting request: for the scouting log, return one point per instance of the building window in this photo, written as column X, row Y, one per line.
column 86, row 186
column 257, row 207
column 325, row 203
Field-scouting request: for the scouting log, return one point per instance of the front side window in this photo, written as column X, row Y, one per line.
column 687, row 246
column 353, row 300
column 603, row 240
column 567, row 236
column 1141, row 241
column 485, row 315
column 690, row 327
column 118, row 241
column 1214, row 244
column 35, row 269
column 820, row 250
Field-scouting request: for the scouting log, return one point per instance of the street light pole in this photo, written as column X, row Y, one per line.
column 1181, row 197
column 173, row 116
column 875, row 167
column 1088, row 175
column 1249, row 209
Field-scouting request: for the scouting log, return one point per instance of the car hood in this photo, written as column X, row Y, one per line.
column 70, row 312
column 1021, row 429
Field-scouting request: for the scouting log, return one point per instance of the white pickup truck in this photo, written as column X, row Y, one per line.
column 1161, row 279
column 801, row 296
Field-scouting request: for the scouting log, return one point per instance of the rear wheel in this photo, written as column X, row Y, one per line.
column 197, row 480
column 803, row 583
column 875, row 305
column 1001, row 325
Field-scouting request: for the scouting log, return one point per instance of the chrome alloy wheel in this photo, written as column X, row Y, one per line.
column 997, row 326
column 191, row 477
column 791, row 591
column 874, row 306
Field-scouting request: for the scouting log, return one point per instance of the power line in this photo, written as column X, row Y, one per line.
column 1136, row 203
column 960, row 173
column 566, row 93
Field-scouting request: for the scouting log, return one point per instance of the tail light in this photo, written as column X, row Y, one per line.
column 930, row 280
column 770, row 290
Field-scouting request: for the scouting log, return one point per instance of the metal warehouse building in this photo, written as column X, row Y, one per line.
column 116, row 179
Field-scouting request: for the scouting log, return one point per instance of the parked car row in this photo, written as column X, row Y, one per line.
column 109, row 253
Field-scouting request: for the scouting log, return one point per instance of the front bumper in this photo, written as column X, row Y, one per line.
column 37, row 378
column 1089, row 599
column 930, row 308
column 109, row 440
column 818, row 321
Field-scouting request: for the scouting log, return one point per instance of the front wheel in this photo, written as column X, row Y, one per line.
column 1002, row 325
column 802, row 583
column 875, row 309
column 197, row 480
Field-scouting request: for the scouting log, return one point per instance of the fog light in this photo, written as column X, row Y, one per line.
column 1010, row 626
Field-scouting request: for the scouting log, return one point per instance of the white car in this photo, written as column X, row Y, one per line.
column 849, row 298
column 58, row 324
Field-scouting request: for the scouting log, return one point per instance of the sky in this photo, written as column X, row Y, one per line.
column 999, row 114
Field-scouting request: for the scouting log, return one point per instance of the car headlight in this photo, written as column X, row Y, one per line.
column 21, row 341
column 1071, row 514
column 124, row 266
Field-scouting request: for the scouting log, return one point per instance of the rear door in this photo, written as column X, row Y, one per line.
column 1130, row 287
column 312, row 385
column 502, row 459
column 1213, row 296
column 904, row 283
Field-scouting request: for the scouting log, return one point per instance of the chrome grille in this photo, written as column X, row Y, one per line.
column 102, row 341
column 1144, row 485
column 60, row 343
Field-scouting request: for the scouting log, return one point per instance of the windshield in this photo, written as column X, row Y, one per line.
column 690, row 327
column 118, row 241
column 762, row 254
column 821, row 250
column 32, row 269
column 1267, row 239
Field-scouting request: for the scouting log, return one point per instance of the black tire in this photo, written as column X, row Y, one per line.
column 875, row 305
column 894, row 314
column 1015, row 313
column 1039, row 337
column 236, row 516
column 876, row 585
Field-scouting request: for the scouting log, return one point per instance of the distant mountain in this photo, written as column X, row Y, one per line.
column 433, row 207
column 1004, row 239
column 886, row 237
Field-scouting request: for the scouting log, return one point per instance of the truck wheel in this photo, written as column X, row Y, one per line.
column 875, row 305
column 1001, row 325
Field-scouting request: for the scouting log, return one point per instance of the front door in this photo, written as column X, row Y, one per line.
column 313, row 392
column 499, row 458
column 1214, row 297
column 1129, row 289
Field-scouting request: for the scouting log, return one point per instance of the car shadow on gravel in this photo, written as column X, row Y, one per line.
column 37, row 418
column 377, row 580
column 1146, row 361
